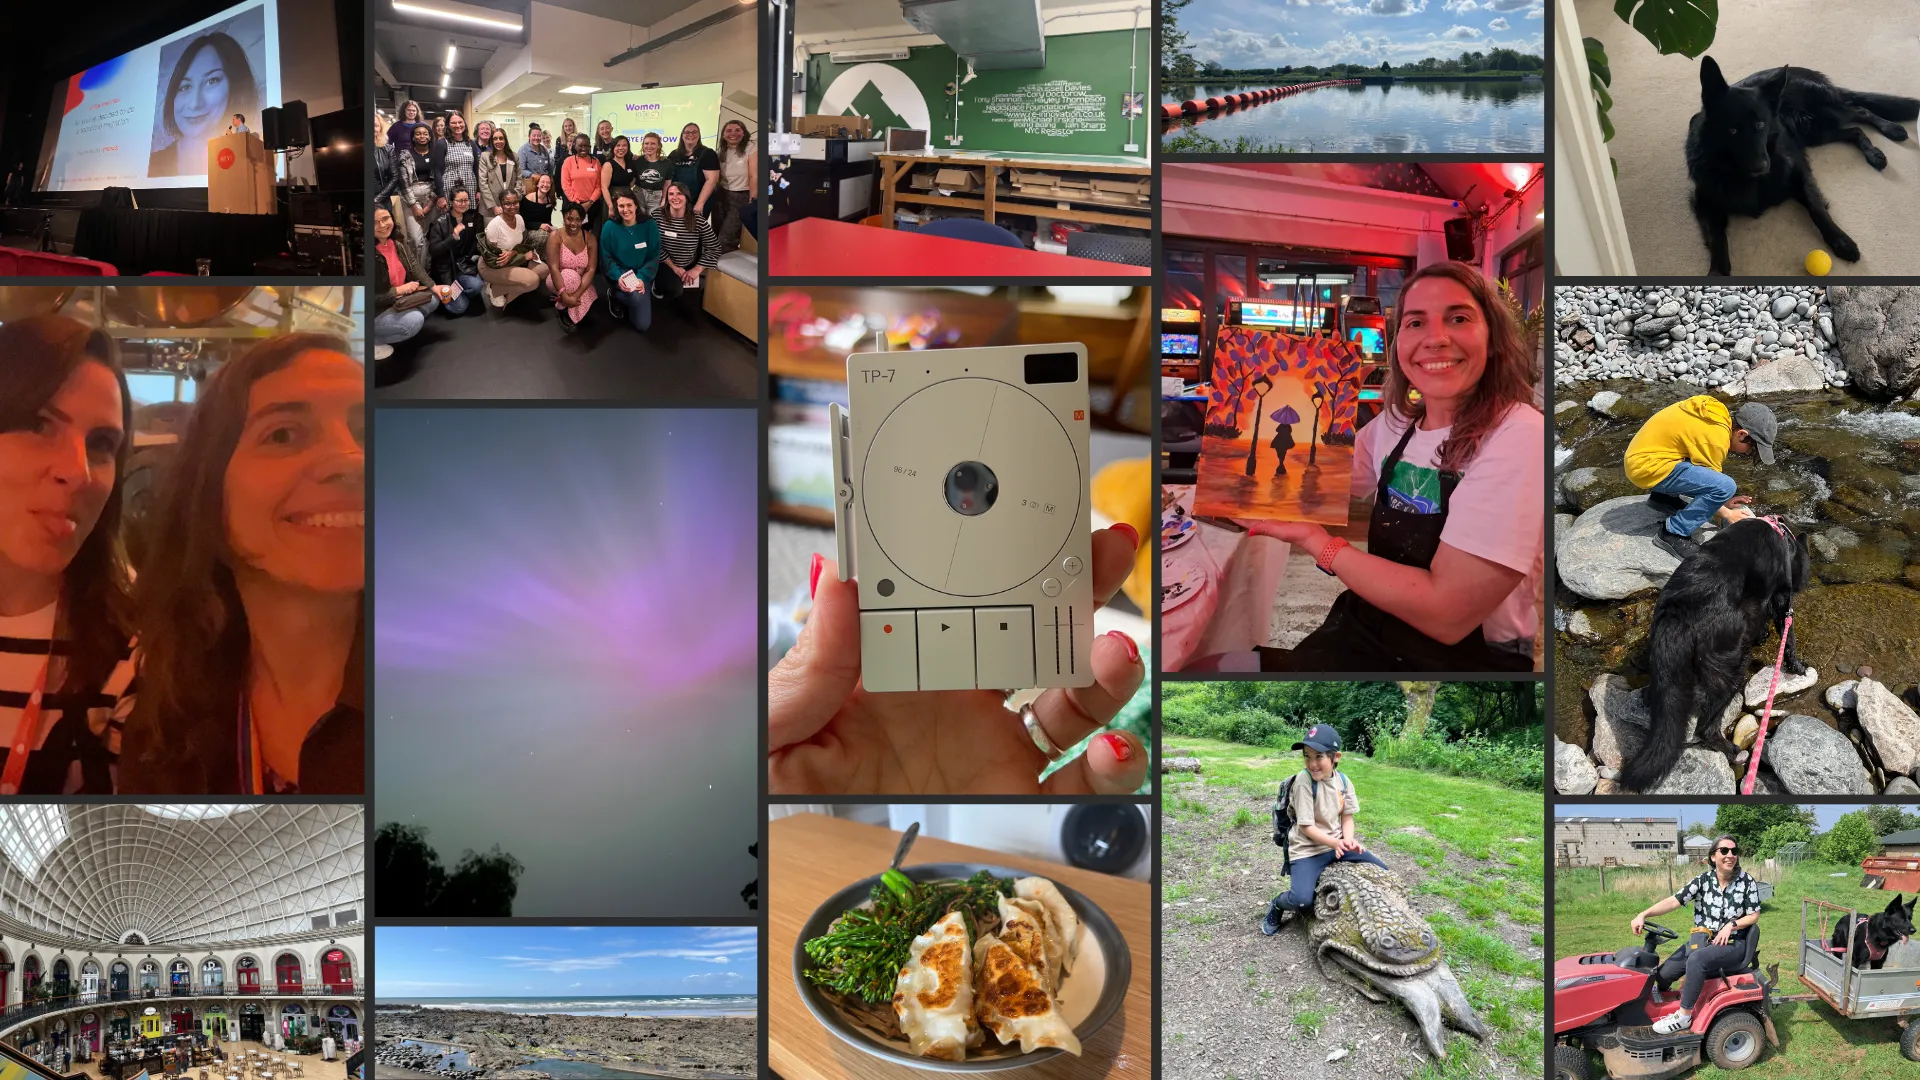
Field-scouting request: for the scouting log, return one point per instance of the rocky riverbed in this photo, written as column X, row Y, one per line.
column 1841, row 372
column 509, row 1046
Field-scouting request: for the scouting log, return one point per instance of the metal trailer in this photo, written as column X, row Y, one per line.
column 1856, row 993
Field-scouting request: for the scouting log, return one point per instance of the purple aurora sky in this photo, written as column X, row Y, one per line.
column 566, row 613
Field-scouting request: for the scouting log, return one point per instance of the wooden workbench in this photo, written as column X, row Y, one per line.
column 989, row 202
column 811, row 857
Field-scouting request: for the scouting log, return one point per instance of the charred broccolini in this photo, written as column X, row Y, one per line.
column 862, row 953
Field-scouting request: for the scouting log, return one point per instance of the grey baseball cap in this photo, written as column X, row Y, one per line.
column 1759, row 423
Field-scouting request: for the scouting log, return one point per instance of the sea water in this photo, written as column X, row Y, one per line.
column 616, row 1005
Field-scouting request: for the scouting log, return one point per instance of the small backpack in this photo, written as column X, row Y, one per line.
column 1283, row 822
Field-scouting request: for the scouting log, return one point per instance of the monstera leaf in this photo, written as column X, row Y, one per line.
column 1673, row 26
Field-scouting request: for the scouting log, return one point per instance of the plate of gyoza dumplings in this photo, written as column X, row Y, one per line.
column 962, row 967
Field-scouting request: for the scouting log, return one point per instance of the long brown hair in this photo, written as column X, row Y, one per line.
column 1506, row 382
column 37, row 356
column 194, row 642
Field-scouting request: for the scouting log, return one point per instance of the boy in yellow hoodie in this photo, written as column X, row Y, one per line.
column 1677, row 454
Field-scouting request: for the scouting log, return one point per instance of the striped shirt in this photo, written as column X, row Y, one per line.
column 79, row 737
column 685, row 246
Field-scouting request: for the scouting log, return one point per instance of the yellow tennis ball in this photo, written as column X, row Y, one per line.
column 1819, row 262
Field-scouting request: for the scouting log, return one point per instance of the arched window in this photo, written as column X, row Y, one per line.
column 149, row 978
column 336, row 970
column 180, row 977
column 212, row 974
column 287, row 971
column 246, row 973
column 30, row 973
column 62, row 972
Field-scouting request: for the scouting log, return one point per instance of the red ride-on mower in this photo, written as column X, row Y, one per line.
column 1605, row 1002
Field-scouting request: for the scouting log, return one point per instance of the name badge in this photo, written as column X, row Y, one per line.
column 671, row 235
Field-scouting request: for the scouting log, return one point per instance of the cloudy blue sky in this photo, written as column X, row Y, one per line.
column 555, row 961
column 1273, row 33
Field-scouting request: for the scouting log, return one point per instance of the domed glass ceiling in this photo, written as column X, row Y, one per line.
column 180, row 874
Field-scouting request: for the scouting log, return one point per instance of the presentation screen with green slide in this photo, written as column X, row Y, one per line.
column 1077, row 104
column 663, row 110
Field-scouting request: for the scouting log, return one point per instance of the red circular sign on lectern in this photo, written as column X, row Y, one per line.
column 225, row 158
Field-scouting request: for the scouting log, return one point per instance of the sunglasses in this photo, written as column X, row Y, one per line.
column 1727, row 851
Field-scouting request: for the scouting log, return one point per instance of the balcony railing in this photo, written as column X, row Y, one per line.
column 18, row 1012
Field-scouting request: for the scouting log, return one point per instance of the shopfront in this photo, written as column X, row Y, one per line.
column 152, row 1024
column 253, row 1023
column 287, row 971
column 181, row 1022
column 117, row 977
column 89, row 981
column 180, row 978
column 336, row 971
column 342, row 1024
column 247, row 974
column 119, row 1026
column 149, row 978
column 293, row 1021
column 90, row 1032
column 213, row 1021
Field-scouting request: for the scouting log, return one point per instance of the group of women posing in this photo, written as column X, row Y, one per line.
column 233, row 663
column 429, row 160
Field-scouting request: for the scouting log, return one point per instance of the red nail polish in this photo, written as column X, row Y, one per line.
column 813, row 575
column 1132, row 533
column 1122, row 750
column 1133, row 651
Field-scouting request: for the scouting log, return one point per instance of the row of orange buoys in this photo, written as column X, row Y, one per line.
column 1203, row 106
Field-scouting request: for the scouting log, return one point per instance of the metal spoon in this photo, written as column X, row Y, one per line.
column 906, row 841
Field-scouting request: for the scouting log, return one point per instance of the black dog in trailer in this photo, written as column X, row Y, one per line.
column 1874, row 935
column 1747, row 147
column 1714, row 610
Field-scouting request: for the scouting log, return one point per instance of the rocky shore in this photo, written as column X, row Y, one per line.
column 506, row 1046
column 1841, row 370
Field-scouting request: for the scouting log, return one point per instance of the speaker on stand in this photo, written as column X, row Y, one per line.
column 270, row 127
column 1460, row 246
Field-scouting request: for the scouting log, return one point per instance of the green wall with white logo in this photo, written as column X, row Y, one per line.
column 1071, row 106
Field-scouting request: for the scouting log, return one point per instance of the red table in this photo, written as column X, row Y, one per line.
column 823, row 247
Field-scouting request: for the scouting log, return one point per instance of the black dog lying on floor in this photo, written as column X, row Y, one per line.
column 1746, row 147
column 1714, row 610
column 1874, row 935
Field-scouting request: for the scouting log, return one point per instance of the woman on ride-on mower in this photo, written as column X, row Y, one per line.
column 1726, row 904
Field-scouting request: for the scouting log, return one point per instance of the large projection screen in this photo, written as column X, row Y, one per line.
column 663, row 110
column 143, row 119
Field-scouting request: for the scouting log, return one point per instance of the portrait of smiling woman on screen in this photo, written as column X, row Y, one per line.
column 211, row 82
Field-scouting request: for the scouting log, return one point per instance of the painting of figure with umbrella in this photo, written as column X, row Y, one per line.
column 1278, row 441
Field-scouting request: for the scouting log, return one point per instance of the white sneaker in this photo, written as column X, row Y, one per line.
column 486, row 287
column 1673, row 1021
column 381, row 352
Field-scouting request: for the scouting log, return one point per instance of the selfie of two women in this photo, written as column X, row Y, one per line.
column 182, row 539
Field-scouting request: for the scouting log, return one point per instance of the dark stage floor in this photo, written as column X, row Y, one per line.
column 521, row 353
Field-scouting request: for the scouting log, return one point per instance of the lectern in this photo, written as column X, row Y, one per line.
column 239, row 175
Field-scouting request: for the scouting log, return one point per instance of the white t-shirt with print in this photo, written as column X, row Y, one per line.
column 1497, row 512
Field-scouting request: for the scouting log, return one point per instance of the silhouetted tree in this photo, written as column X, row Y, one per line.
column 410, row 882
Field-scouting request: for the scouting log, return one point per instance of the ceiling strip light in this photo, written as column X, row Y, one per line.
column 458, row 16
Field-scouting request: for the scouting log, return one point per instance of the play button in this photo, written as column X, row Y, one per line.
column 945, row 627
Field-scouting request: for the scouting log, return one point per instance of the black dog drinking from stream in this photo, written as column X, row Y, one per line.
column 1712, row 613
column 1747, row 147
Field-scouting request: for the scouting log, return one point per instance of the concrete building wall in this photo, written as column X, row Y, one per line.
column 1627, row 841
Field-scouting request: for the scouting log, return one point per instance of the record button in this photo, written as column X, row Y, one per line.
column 946, row 648
column 1005, row 637
column 1050, row 586
column 1071, row 566
column 887, row 655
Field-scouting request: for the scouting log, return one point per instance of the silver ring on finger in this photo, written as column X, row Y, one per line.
column 1039, row 735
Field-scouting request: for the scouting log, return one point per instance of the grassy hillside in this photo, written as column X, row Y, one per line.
column 1471, row 853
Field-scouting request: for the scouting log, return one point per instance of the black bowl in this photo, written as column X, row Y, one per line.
column 1112, row 945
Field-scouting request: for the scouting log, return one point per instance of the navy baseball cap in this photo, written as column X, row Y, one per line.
column 1320, row 737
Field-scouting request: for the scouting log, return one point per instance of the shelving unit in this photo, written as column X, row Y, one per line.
column 998, row 196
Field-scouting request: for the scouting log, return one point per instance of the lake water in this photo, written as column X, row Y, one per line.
column 1427, row 117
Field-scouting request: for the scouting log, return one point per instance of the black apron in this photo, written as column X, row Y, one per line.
column 1359, row 637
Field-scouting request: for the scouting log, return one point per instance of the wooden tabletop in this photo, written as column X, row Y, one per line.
column 812, row 857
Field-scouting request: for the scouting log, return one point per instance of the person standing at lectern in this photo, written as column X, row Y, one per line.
column 239, row 125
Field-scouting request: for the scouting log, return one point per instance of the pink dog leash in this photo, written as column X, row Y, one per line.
column 1786, row 627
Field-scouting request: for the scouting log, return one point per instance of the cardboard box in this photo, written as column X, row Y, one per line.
column 921, row 181
column 960, row 180
column 1038, row 181
column 824, row 126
